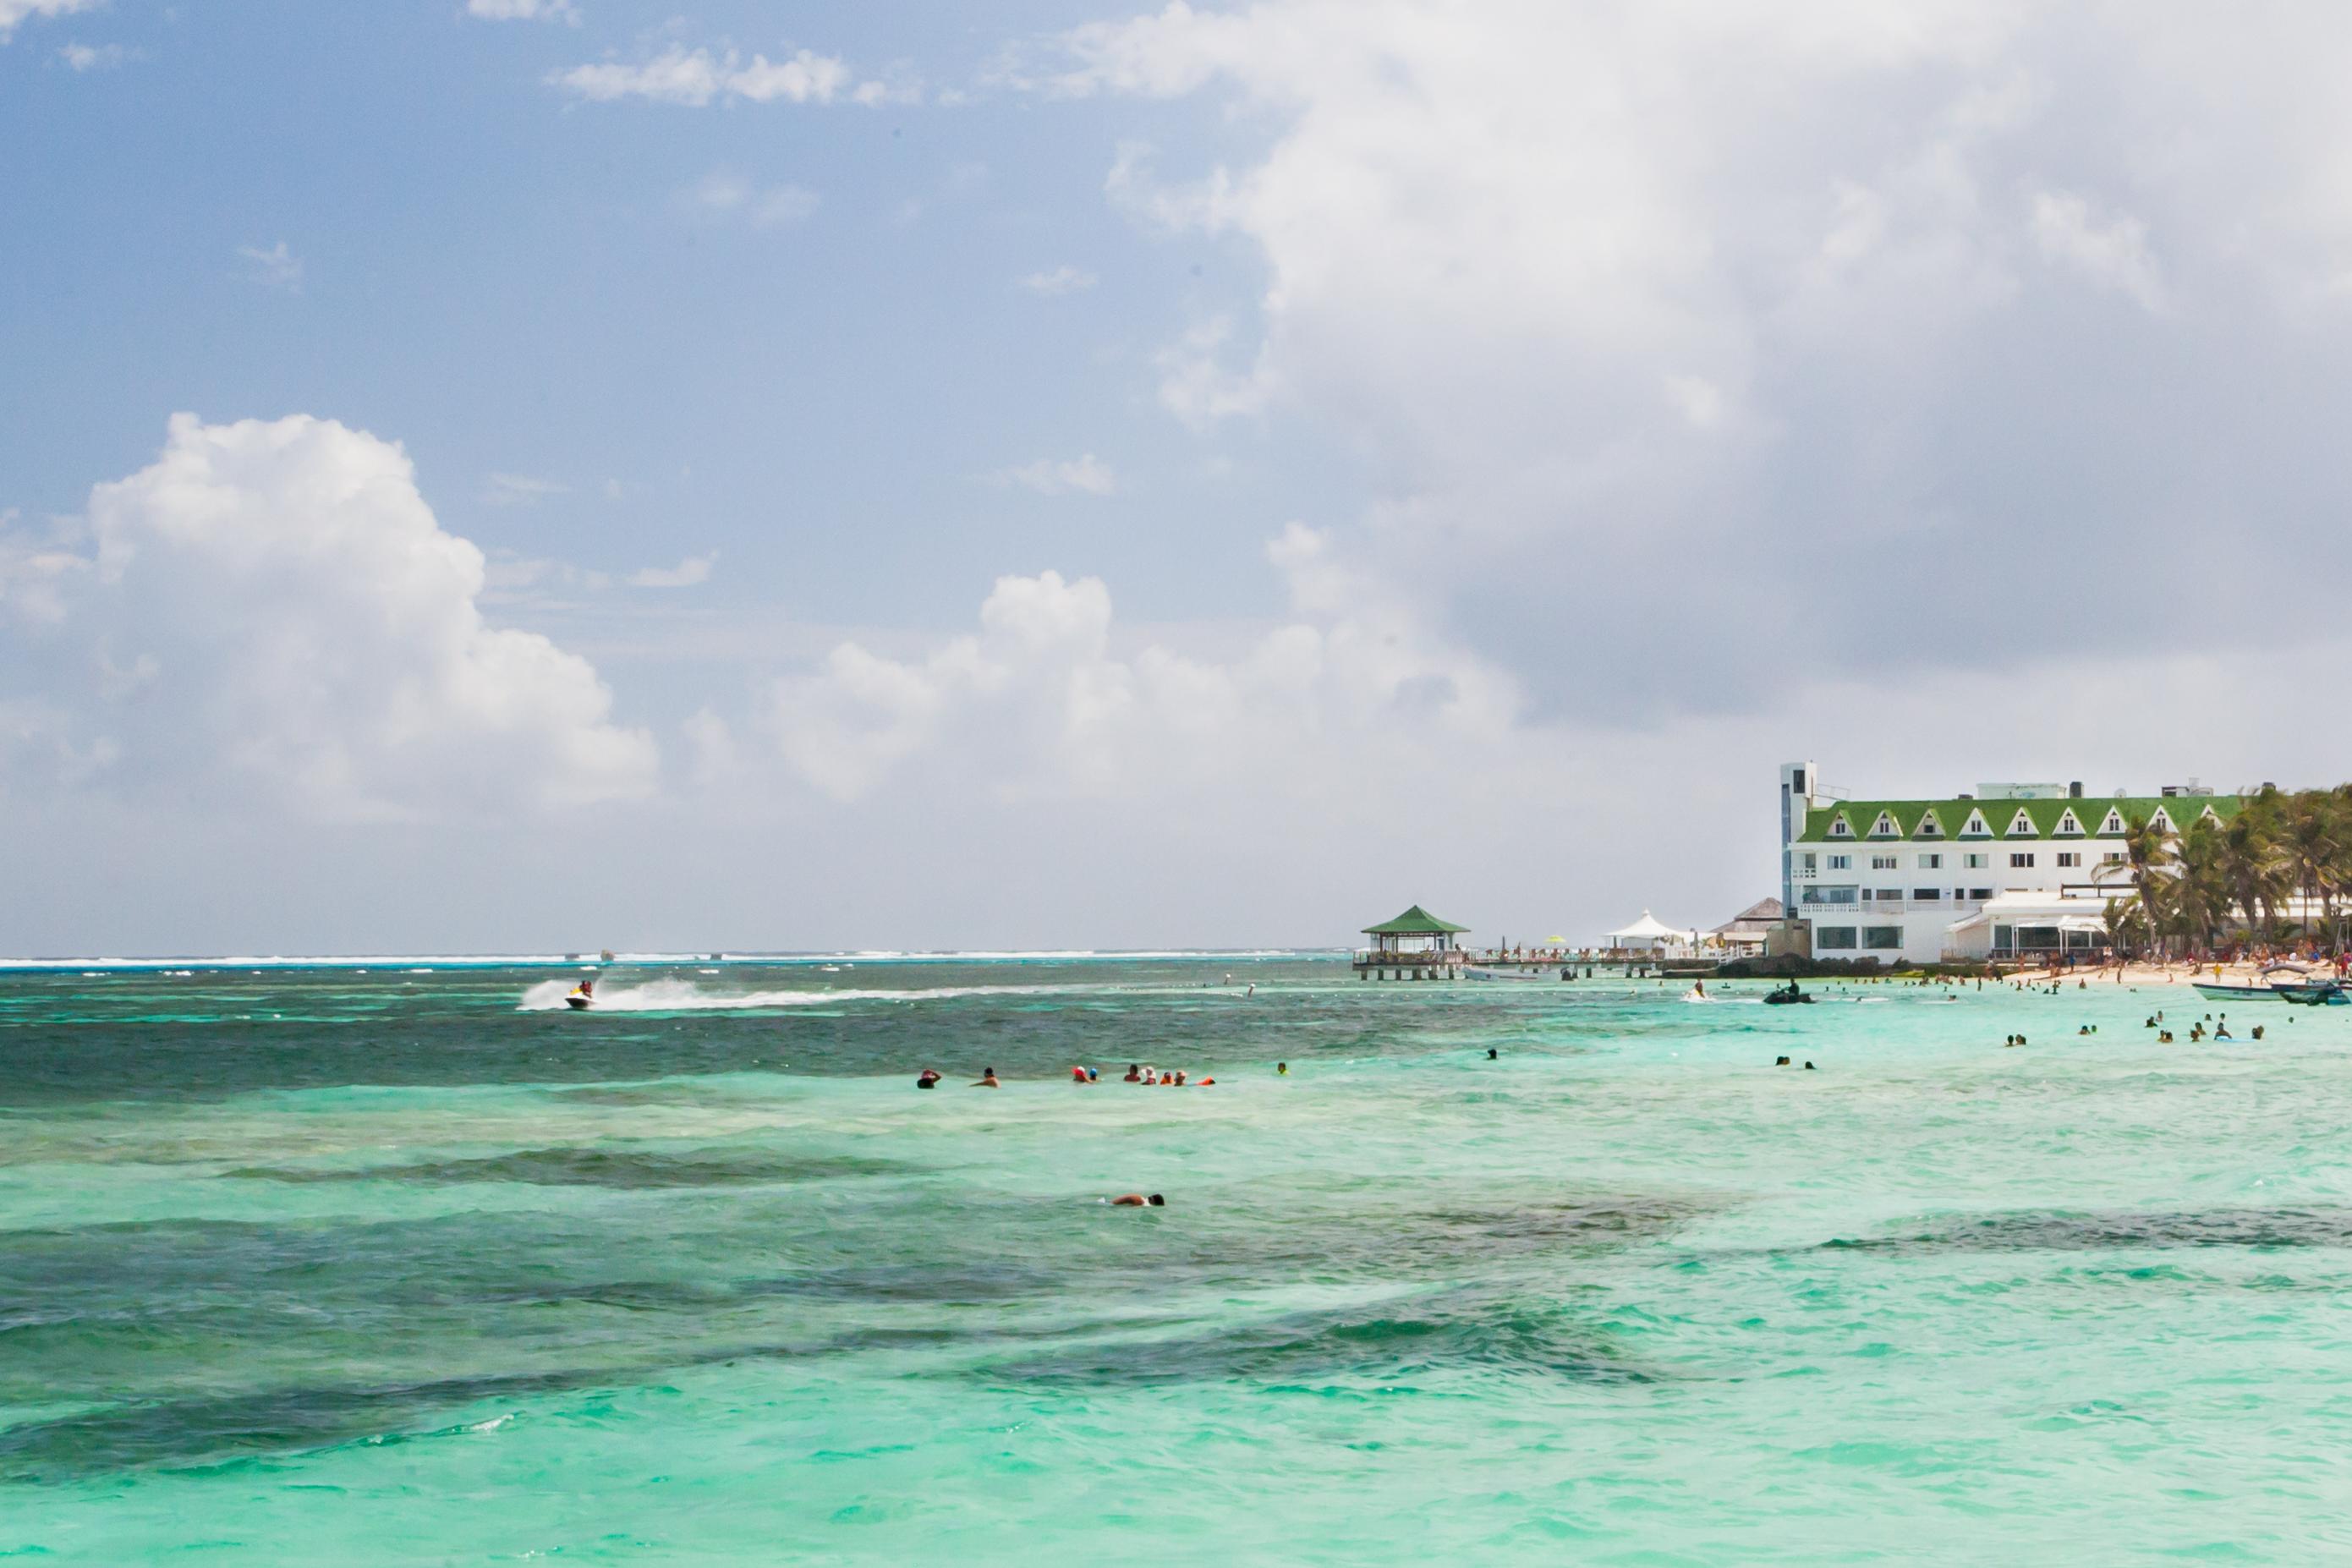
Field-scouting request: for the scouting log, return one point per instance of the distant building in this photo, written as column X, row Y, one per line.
column 1416, row 946
column 1750, row 930
column 2012, row 869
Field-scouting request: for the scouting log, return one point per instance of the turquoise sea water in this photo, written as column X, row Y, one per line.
column 327, row 1268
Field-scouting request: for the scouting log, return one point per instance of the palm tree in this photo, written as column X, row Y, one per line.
column 2147, row 858
column 2123, row 925
column 2311, row 846
column 2249, row 861
column 2201, row 885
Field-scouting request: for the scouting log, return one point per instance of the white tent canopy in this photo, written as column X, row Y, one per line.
column 1648, row 929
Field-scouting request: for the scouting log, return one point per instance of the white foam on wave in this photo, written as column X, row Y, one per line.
column 685, row 996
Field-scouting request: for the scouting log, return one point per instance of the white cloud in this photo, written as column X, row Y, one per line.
column 692, row 572
column 1725, row 326
column 87, row 58
column 1196, row 386
column 35, row 576
column 769, row 207
column 2112, row 252
column 524, row 10
column 13, row 12
column 1040, row 703
column 275, row 267
column 520, row 489
column 696, row 77
column 1063, row 279
column 271, row 609
column 1083, row 475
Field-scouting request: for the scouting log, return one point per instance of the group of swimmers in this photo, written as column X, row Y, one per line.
column 1143, row 1072
column 1137, row 1072
column 930, row 1077
column 2196, row 1030
column 1783, row 1061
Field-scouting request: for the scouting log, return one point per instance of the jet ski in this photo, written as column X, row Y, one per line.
column 1784, row 997
column 581, row 997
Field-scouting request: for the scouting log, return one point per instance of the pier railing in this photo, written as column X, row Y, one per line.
column 1531, row 957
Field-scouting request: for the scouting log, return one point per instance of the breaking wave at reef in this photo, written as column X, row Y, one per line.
column 685, row 996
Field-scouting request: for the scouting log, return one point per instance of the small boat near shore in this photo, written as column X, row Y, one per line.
column 2219, row 991
column 2315, row 993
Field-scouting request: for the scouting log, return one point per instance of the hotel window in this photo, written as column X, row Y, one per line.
column 1840, row 937
column 1931, row 862
column 2022, row 861
column 1811, row 861
column 1882, row 937
column 1980, row 895
column 1979, row 861
column 2069, row 857
column 2111, row 857
column 1841, row 862
column 1882, row 862
column 1930, row 894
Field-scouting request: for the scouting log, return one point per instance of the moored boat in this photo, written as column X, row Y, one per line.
column 2219, row 991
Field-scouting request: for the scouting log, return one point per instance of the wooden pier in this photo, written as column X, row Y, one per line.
column 1417, row 946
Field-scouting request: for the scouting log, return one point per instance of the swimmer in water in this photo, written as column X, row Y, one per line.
column 1809, row 1067
column 928, row 1079
column 987, row 1080
column 1490, row 1053
column 1137, row 1201
column 1779, row 1061
column 1282, row 1069
column 1134, row 1073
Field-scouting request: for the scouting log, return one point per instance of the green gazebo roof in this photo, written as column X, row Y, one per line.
column 1414, row 922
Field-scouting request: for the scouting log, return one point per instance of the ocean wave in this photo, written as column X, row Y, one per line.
column 685, row 996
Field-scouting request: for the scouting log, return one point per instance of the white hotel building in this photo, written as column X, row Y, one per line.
column 2013, row 868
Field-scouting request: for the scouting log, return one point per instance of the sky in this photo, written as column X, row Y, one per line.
column 525, row 475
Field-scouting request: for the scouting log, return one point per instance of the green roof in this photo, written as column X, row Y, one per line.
column 2042, row 817
column 1414, row 922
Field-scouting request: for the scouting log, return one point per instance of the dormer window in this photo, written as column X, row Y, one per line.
column 1885, row 827
column 1930, row 826
column 2162, row 821
column 2114, row 822
column 2069, row 825
column 1976, row 826
column 2020, row 823
column 1838, row 829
